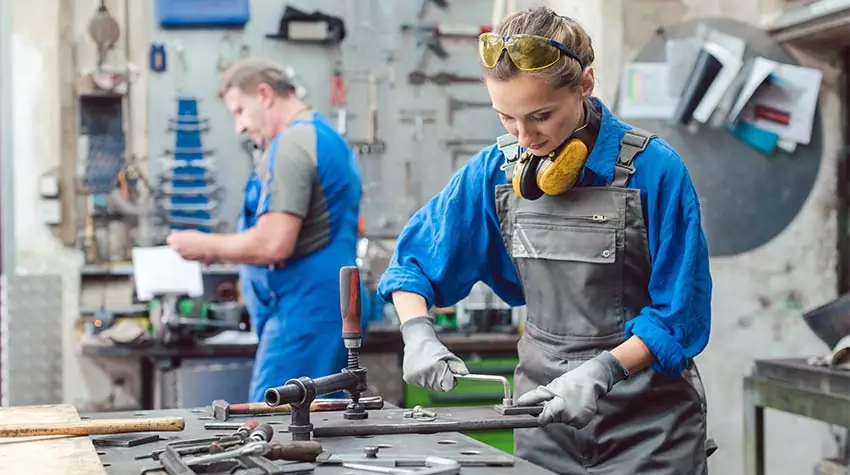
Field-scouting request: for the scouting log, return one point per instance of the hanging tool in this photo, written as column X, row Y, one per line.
column 94, row 427
column 426, row 40
column 460, row 142
column 461, row 152
column 338, row 100
column 157, row 57
column 424, row 6
column 104, row 31
column 419, row 118
column 455, row 105
column 372, row 132
column 418, row 78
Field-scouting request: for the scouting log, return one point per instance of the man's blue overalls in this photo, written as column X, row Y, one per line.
column 295, row 307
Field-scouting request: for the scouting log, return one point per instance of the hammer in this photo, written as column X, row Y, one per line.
column 222, row 410
column 94, row 427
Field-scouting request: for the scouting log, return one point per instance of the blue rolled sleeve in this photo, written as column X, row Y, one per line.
column 455, row 241
column 676, row 325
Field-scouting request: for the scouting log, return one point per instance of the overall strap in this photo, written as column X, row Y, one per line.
column 631, row 145
column 267, row 176
column 509, row 146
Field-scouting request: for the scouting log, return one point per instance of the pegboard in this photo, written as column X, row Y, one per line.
column 416, row 162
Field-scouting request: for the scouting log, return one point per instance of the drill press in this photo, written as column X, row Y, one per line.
column 300, row 392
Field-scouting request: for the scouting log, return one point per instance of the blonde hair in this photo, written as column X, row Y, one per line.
column 543, row 21
column 247, row 75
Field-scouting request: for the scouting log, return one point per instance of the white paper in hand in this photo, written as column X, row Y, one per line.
column 160, row 270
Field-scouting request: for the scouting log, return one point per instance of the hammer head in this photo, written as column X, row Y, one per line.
column 221, row 410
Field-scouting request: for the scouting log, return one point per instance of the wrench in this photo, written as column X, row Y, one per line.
column 251, row 448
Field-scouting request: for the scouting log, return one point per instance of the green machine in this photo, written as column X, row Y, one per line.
column 472, row 393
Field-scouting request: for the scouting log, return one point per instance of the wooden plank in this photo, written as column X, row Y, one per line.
column 50, row 454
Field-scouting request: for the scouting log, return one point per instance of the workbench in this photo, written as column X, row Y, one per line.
column 796, row 387
column 382, row 340
column 120, row 460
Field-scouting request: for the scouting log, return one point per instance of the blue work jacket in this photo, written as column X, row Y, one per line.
column 455, row 241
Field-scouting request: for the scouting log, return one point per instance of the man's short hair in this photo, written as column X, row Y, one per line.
column 247, row 75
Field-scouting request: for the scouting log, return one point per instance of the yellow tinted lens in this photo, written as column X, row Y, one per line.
column 532, row 53
column 490, row 49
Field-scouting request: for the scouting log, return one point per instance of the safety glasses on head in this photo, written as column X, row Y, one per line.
column 527, row 52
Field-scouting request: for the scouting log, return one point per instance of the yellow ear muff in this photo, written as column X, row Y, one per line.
column 558, row 173
column 524, row 181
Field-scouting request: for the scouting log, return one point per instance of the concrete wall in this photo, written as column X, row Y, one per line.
column 742, row 328
column 49, row 44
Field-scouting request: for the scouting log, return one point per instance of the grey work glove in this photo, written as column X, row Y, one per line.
column 572, row 397
column 427, row 362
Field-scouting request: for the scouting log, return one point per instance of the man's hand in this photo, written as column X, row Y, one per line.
column 572, row 397
column 427, row 362
column 192, row 245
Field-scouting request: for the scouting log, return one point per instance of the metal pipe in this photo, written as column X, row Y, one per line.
column 295, row 391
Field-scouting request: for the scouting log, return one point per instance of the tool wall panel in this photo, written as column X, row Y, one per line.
column 413, row 120
column 32, row 359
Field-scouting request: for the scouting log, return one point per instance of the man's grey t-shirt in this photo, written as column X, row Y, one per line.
column 295, row 186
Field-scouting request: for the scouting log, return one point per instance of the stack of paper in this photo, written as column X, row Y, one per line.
column 705, row 80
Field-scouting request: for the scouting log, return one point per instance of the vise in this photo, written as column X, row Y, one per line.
column 300, row 393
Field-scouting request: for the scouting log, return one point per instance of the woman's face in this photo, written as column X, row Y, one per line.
column 538, row 115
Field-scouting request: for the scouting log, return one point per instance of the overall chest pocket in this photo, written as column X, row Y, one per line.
column 572, row 274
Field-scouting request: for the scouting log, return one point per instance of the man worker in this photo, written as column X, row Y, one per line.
column 297, row 227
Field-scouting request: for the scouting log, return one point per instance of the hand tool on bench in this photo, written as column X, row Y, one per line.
column 206, row 444
column 370, row 458
column 222, row 410
column 305, row 451
column 301, row 392
column 94, row 427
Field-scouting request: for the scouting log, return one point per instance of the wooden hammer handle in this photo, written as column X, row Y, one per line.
column 94, row 427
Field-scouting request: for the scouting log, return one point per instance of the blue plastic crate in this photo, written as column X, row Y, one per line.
column 197, row 13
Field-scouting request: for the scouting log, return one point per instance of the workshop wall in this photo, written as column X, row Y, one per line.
column 416, row 162
column 759, row 296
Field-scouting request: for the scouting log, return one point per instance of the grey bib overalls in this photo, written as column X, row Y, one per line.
column 583, row 260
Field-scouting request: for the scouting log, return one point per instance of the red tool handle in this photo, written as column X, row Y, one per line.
column 349, row 293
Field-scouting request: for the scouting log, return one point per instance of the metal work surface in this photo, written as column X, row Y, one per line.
column 121, row 459
column 797, row 372
column 792, row 386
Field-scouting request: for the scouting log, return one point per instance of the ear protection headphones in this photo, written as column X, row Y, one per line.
column 558, row 171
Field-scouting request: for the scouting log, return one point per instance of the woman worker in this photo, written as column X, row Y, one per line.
column 595, row 226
